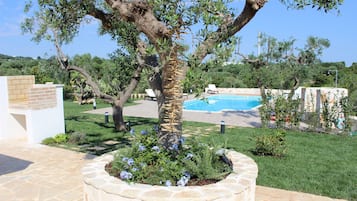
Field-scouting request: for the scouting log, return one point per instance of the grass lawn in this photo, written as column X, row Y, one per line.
column 315, row 163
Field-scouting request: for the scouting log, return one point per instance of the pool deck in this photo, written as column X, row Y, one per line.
column 149, row 109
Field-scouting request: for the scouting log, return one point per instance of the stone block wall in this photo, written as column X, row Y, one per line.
column 42, row 97
column 23, row 93
column 239, row 185
column 18, row 88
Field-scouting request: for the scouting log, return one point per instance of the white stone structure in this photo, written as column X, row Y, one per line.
column 314, row 97
column 239, row 185
column 30, row 111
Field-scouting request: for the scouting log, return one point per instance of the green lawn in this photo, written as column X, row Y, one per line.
column 315, row 163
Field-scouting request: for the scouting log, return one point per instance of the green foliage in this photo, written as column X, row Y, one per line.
column 77, row 138
column 195, row 81
column 265, row 111
column 148, row 162
column 285, row 111
column 61, row 138
column 271, row 144
column 329, row 114
column 353, row 102
column 318, row 4
column 346, row 109
column 49, row 141
column 206, row 163
column 44, row 70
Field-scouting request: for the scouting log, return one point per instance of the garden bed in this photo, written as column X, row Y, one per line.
column 239, row 185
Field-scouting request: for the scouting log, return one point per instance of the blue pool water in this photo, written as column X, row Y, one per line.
column 218, row 103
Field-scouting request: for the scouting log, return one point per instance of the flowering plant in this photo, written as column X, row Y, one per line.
column 184, row 164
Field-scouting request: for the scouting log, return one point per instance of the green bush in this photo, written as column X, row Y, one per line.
column 48, row 141
column 77, row 138
column 271, row 144
column 147, row 162
column 61, row 138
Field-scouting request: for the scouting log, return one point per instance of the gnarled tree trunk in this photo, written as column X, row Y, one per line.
column 118, row 104
column 170, row 109
column 168, row 86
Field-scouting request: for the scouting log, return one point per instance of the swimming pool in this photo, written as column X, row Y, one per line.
column 217, row 103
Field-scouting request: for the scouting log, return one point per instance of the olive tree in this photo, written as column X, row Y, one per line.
column 163, row 26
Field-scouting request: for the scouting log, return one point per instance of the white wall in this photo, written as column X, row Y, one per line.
column 46, row 122
column 35, row 125
column 11, row 126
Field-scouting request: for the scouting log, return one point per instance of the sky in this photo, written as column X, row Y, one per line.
column 274, row 19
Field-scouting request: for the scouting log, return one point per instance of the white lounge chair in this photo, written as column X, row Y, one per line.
column 150, row 94
column 212, row 89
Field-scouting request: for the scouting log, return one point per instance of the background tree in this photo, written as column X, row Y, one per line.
column 281, row 61
column 162, row 24
column 60, row 28
column 122, row 81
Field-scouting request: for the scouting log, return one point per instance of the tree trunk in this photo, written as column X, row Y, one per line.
column 118, row 104
column 170, row 109
column 118, row 117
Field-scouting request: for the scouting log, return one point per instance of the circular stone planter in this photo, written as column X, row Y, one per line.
column 239, row 185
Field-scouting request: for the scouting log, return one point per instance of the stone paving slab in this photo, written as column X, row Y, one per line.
column 272, row 194
column 40, row 173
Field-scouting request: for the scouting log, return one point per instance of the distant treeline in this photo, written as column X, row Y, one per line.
column 239, row 75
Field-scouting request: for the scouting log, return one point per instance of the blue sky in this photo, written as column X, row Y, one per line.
column 274, row 19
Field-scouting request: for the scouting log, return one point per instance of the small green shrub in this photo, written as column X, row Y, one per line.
column 48, row 141
column 61, row 138
column 147, row 162
column 77, row 138
column 271, row 144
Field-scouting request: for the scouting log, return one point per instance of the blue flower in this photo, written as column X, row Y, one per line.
column 125, row 175
column 142, row 148
column 174, row 147
column 156, row 128
column 182, row 140
column 156, row 148
column 189, row 156
column 125, row 159
column 187, row 174
column 180, row 182
column 132, row 131
column 134, row 169
column 184, row 179
column 130, row 162
column 168, row 183
column 144, row 132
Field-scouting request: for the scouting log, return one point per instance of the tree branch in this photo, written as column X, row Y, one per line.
column 63, row 60
column 228, row 29
column 142, row 15
column 105, row 18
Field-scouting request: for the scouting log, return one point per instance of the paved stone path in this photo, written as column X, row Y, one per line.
column 40, row 173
